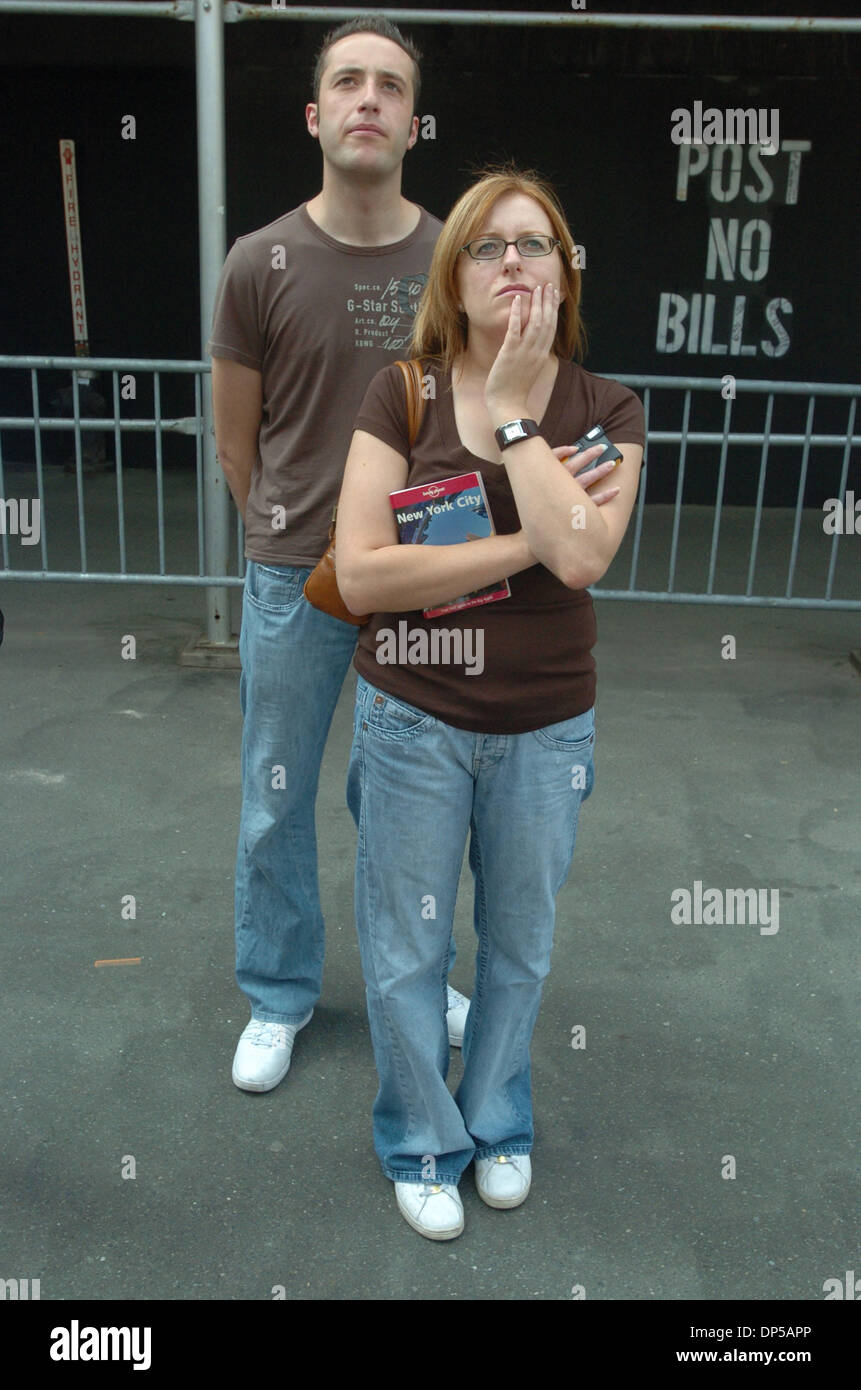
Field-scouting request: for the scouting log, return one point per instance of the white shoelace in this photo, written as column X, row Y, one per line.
column 263, row 1034
column 434, row 1189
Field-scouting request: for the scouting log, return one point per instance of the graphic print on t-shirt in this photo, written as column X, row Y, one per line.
column 383, row 313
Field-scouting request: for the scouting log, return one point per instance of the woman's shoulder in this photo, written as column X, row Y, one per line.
column 592, row 384
column 391, row 377
column 605, row 400
column 383, row 411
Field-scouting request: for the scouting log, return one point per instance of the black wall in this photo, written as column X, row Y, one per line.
column 590, row 108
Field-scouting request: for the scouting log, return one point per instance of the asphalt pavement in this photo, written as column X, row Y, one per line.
column 701, row 1144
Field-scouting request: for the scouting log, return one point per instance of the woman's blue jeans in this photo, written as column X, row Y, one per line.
column 416, row 786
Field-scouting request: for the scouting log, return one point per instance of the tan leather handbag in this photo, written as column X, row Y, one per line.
column 321, row 586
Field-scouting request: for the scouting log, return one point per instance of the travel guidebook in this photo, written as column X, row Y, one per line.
column 446, row 513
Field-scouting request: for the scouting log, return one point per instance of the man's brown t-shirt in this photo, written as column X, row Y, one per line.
column 537, row 644
column 317, row 318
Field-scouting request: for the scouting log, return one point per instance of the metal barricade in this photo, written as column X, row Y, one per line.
column 812, row 523
column 665, row 541
column 208, row 19
column 147, row 503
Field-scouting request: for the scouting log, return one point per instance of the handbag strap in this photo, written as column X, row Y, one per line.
column 412, row 374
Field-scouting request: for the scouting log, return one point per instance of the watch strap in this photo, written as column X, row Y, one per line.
column 514, row 430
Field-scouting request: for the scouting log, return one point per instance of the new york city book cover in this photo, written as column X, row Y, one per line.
column 447, row 512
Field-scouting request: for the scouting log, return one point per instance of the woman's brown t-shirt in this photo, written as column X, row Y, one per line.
column 536, row 645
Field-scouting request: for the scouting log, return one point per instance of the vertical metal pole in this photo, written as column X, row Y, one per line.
column 211, row 198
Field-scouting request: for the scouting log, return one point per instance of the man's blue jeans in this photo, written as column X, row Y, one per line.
column 294, row 660
column 416, row 786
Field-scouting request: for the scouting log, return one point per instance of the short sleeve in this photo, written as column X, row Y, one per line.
column 383, row 412
column 622, row 415
column 236, row 331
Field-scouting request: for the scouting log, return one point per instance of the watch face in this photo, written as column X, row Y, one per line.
column 513, row 430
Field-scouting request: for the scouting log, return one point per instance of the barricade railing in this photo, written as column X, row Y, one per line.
column 666, row 540
column 208, row 20
column 191, row 424
column 824, row 537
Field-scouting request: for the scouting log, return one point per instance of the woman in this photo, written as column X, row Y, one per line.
column 505, row 753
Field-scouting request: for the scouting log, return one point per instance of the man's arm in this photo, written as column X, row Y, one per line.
column 237, row 403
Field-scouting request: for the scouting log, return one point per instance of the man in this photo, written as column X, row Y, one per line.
column 308, row 309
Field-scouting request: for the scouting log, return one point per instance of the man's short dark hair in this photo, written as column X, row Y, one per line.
column 370, row 24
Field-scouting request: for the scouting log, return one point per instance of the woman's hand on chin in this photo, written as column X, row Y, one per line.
column 524, row 353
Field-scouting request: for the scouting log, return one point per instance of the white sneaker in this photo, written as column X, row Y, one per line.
column 263, row 1053
column 458, row 1008
column 433, row 1209
column 503, row 1181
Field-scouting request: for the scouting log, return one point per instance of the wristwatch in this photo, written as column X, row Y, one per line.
column 514, row 430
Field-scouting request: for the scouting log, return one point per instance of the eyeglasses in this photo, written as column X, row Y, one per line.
column 491, row 248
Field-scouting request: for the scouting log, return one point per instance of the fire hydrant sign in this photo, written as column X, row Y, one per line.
column 73, row 246
column 737, row 313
